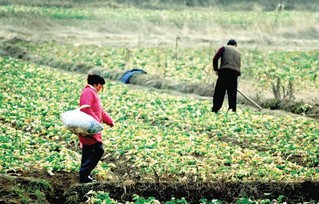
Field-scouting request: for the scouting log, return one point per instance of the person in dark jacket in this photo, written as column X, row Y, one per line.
column 92, row 149
column 228, row 72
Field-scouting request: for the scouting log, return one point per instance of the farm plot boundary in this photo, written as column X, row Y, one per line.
column 62, row 188
column 9, row 48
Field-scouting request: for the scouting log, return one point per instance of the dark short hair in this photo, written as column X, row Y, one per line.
column 232, row 42
column 95, row 79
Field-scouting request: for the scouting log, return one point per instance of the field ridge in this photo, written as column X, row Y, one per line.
column 9, row 48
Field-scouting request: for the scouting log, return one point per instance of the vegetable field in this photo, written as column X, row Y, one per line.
column 166, row 147
column 157, row 138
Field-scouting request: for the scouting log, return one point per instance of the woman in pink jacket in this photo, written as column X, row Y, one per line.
column 92, row 149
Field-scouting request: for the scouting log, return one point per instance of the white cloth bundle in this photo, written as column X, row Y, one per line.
column 80, row 123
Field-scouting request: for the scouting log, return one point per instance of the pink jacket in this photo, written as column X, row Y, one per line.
column 90, row 97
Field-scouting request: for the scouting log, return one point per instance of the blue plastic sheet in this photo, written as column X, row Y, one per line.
column 128, row 74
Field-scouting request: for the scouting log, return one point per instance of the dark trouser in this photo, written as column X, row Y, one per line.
column 227, row 81
column 91, row 155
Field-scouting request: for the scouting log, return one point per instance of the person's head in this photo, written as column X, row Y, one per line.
column 232, row 42
column 96, row 80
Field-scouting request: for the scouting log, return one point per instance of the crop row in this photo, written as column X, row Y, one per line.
column 176, row 137
column 262, row 68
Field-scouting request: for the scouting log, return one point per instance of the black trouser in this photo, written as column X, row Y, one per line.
column 227, row 81
column 91, row 155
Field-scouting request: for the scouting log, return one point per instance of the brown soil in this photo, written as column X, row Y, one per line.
column 66, row 189
column 59, row 182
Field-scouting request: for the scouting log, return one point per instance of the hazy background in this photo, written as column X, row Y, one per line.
column 273, row 24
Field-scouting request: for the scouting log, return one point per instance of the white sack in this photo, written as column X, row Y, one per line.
column 79, row 122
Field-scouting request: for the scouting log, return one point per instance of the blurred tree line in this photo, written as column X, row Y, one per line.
column 269, row 5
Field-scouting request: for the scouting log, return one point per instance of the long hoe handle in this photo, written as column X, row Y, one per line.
column 251, row 101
